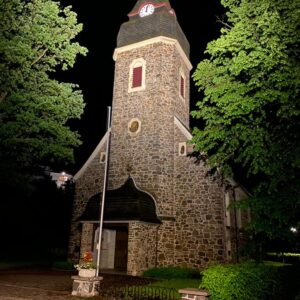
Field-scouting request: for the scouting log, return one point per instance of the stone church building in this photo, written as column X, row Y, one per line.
column 161, row 208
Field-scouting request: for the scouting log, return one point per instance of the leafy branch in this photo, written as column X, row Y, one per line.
column 39, row 57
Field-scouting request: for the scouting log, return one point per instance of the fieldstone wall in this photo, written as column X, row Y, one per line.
column 200, row 227
column 87, row 185
column 142, row 241
column 166, row 244
column 86, row 238
column 147, row 156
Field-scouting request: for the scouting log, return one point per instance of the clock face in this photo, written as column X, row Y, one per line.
column 147, row 10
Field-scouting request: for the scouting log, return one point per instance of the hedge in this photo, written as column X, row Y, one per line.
column 172, row 272
column 245, row 281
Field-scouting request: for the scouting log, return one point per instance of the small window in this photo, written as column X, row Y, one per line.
column 137, row 74
column 137, row 77
column 182, row 149
column 102, row 157
column 182, row 85
column 134, row 126
column 227, row 210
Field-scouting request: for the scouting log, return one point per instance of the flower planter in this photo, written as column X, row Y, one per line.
column 87, row 272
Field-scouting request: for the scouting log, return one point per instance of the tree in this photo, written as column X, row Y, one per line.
column 251, row 108
column 39, row 222
column 36, row 40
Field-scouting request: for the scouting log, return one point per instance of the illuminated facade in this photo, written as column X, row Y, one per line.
column 162, row 209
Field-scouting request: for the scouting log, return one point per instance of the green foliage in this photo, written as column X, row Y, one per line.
column 284, row 254
column 172, row 272
column 251, row 107
column 246, row 281
column 274, row 263
column 36, row 40
column 273, row 213
column 289, row 258
column 178, row 283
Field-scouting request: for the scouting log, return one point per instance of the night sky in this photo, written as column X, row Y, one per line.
column 95, row 72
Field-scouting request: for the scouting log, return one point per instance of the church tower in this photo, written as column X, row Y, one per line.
column 161, row 208
column 151, row 87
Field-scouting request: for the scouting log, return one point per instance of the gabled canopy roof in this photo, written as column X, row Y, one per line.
column 125, row 203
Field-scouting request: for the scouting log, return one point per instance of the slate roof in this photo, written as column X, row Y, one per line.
column 155, row 2
column 125, row 203
column 160, row 23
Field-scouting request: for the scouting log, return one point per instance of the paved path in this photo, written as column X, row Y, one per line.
column 41, row 284
column 35, row 285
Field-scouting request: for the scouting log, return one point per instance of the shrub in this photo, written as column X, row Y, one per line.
column 245, row 281
column 172, row 272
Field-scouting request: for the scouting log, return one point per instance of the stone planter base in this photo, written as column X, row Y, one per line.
column 193, row 294
column 87, row 272
column 86, row 286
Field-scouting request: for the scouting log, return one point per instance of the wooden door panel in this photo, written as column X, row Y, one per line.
column 121, row 251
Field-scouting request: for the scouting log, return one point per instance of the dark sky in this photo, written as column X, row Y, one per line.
column 94, row 73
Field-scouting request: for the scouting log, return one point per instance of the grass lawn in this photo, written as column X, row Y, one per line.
column 177, row 283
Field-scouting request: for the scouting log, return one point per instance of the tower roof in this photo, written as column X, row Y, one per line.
column 141, row 3
column 161, row 21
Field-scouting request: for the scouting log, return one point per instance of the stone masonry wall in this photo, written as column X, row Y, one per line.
column 147, row 156
column 86, row 238
column 141, row 247
column 166, row 238
column 89, row 184
column 199, row 228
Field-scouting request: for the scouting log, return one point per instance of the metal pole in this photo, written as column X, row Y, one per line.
column 104, row 189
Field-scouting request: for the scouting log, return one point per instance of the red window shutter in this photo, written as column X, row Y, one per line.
column 137, row 77
column 182, row 83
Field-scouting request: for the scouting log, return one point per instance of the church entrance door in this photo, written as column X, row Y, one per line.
column 121, row 251
column 114, row 247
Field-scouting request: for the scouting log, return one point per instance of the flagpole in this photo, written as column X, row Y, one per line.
column 102, row 203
